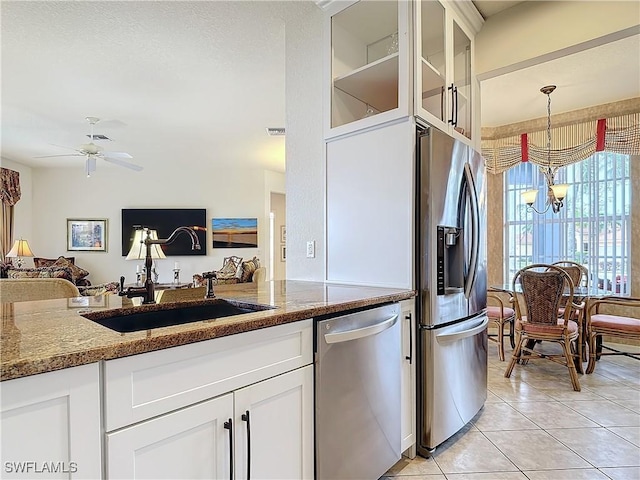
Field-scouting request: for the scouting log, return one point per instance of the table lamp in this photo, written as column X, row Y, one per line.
column 138, row 251
column 20, row 249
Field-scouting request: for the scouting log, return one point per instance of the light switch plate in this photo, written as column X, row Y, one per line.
column 311, row 249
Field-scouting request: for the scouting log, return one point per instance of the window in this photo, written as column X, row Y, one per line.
column 592, row 228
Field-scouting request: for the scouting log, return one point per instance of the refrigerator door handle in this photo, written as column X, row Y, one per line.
column 444, row 338
column 357, row 333
column 475, row 234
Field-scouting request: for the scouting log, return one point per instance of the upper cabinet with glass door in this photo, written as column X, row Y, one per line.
column 444, row 79
column 369, row 64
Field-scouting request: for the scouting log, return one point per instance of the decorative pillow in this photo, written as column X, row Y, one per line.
column 45, row 272
column 229, row 267
column 77, row 272
column 247, row 268
column 47, row 262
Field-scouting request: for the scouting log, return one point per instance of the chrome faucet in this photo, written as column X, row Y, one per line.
column 147, row 291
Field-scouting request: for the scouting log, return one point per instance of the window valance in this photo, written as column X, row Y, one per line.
column 10, row 182
column 575, row 136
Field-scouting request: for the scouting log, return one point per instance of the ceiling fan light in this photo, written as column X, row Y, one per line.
column 91, row 148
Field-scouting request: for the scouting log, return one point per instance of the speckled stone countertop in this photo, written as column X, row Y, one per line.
column 49, row 335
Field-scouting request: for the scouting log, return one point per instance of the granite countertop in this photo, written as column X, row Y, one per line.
column 49, row 335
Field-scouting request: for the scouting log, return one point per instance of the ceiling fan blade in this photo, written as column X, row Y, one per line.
column 65, row 147
column 116, row 155
column 63, row 155
column 122, row 163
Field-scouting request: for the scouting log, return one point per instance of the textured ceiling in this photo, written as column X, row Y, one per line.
column 194, row 82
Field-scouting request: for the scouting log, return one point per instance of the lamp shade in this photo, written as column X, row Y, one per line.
column 20, row 249
column 138, row 249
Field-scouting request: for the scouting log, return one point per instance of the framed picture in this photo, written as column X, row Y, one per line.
column 283, row 253
column 234, row 232
column 87, row 234
column 283, row 234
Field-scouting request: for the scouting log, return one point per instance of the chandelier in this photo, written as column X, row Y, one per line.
column 555, row 192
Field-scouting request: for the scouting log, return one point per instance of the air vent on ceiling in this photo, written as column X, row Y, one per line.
column 99, row 137
column 275, row 131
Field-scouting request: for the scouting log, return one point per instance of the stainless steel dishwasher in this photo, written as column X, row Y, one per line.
column 357, row 392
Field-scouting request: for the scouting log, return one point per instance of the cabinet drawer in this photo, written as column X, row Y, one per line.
column 150, row 384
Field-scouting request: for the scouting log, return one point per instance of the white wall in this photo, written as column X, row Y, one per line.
column 59, row 194
column 304, row 143
column 534, row 32
column 23, row 209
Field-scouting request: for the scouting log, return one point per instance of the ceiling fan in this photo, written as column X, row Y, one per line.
column 93, row 151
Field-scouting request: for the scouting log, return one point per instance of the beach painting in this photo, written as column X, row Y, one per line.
column 235, row 232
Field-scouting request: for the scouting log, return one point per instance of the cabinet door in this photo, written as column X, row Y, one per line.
column 274, row 427
column 408, row 379
column 444, row 78
column 461, row 80
column 51, row 425
column 432, row 98
column 368, row 63
column 188, row 443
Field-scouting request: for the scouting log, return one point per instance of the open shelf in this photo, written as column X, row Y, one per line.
column 375, row 84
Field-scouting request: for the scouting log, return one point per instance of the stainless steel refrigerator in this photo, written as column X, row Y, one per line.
column 451, row 282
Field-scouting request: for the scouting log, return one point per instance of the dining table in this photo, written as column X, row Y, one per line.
column 580, row 294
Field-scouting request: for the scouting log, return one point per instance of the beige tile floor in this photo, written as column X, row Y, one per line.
column 534, row 426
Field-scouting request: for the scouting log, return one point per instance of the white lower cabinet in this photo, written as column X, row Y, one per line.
column 51, row 425
column 189, row 443
column 270, row 425
column 274, row 427
column 235, row 407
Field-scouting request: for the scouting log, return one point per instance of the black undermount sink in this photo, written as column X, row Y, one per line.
column 166, row 315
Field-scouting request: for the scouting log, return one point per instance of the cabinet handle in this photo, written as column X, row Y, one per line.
column 410, row 357
column 245, row 418
column 442, row 103
column 455, row 110
column 451, row 119
column 229, row 426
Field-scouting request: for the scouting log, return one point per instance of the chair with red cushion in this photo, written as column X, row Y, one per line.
column 544, row 287
column 500, row 315
column 617, row 317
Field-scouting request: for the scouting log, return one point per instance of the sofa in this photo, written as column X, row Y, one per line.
column 61, row 267
column 235, row 270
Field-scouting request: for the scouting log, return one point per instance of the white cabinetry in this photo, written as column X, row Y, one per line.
column 188, row 443
column 408, row 379
column 444, row 81
column 368, row 64
column 370, row 206
column 274, row 427
column 51, row 425
column 269, row 426
column 388, row 59
column 177, row 412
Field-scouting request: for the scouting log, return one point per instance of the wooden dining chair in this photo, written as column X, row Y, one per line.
column 500, row 315
column 579, row 275
column 604, row 319
column 543, row 289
